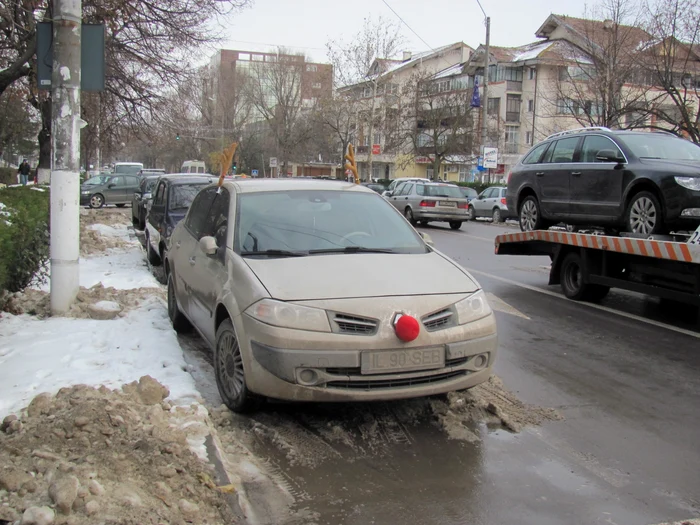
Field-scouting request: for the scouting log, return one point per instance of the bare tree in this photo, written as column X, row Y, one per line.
column 601, row 81
column 673, row 63
column 438, row 119
column 18, row 124
column 336, row 113
column 274, row 89
column 363, row 60
column 17, row 40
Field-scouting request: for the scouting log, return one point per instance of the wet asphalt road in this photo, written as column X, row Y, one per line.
column 625, row 375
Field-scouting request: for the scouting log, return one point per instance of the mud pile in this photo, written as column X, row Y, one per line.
column 92, row 241
column 89, row 456
column 91, row 303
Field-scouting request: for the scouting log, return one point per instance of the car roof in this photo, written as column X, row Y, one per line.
column 186, row 178
column 265, row 185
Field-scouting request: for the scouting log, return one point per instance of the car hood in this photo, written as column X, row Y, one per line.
column 343, row 276
column 690, row 168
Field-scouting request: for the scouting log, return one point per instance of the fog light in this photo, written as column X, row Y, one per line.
column 480, row 361
column 691, row 212
column 308, row 376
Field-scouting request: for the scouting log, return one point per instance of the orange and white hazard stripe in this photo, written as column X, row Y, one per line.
column 674, row 251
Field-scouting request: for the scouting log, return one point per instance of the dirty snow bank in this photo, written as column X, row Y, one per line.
column 92, row 455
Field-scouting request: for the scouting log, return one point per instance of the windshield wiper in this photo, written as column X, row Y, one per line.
column 352, row 249
column 276, row 253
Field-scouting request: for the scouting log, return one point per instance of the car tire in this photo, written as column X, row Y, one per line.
column 423, row 223
column 571, row 278
column 229, row 371
column 180, row 323
column 408, row 213
column 496, row 216
column 121, row 205
column 471, row 213
column 530, row 215
column 151, row 254
column 455, row 225
column 643, row 214
column 97, row 201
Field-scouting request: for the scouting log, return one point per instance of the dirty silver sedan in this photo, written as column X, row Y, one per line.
column 321, row 291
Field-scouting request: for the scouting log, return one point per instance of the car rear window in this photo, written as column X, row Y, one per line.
column 658, row 146
column 182, row 195
column 303, row 220
column 443, row 191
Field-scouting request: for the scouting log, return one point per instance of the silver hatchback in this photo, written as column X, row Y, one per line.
column 426, row 202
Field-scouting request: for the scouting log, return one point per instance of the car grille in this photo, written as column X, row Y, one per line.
column 357, row 371
column 351, row 324
column 438, row 320
column 396, row 383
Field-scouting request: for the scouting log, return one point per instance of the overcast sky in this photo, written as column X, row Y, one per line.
column 270, row 23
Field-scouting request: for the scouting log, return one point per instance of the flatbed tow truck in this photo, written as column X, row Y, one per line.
column 588, row 265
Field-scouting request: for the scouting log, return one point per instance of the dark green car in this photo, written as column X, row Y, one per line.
column 117, row 189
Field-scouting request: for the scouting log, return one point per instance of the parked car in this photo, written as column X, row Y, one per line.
column 97, row 180
column 172, row 198
column 379, row 188
column 490, row 203
column 254, row 268
column 426, row 202
column 127, row 168
column 396, row 182
column 151, row 171
column 641, row 182
column 141, row 199
column 117, row 189
column 469, row 193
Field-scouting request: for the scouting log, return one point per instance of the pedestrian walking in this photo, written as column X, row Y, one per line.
column 24, row 171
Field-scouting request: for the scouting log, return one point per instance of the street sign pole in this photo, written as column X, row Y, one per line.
column 65, row 154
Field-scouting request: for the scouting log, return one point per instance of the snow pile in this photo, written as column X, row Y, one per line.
column 92, row 455
column 4, row 213
column 46, row 355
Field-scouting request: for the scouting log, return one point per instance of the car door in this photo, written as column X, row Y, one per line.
column 116, row 190
column 479, row 203
column 396, row 194
column 402, row 199
column 182, row 252
column 131, row 186
column 596, row 186
column 156, row 214
column 209, row 271
column 553, row 177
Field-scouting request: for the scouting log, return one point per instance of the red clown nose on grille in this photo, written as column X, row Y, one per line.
column 407, row 328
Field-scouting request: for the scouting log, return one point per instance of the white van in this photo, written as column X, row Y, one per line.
column 193, row 166
column 127, row 168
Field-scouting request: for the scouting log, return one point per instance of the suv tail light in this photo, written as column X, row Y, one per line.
column 427, row 204
column 503, row 201
column 463, row 205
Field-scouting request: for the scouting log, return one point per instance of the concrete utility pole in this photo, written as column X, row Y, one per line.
column 485, row 98
column 65, row 154
column 371, row 128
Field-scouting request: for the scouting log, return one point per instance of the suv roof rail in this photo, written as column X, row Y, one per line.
column 579, row 130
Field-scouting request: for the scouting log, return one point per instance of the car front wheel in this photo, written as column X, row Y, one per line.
column 644, row 214
column 97, row 201
column 530, row 215
column 230, row 374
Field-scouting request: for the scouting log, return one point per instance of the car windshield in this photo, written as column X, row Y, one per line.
column 667, row 147
column 97, row 180
column 300, row 221
column 443, row 191
column 469, row 192
column 182, row 195
column 147, row 185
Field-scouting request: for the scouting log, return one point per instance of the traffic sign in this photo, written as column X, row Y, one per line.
column 491, row 158
column 273, row 162
column 254, row 173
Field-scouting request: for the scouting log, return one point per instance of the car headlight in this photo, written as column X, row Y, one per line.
column 287, row 315
column 473, row 308
column 85, row 192
column 692, row 183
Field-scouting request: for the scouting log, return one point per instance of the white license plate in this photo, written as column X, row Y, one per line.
column 390, row 361
column 448, row 204
column 695, row 238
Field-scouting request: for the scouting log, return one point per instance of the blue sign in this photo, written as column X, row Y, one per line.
column 480, row 164
column 476, row 100
column 254, row 173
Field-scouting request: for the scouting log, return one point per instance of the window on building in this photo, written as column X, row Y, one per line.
column 367, row 92
column 243, row 56
column 377, row 138
column 430, row 172
column 530, row 106
column 494, row 106
column 528, row 138
column 423, row 140
column 513, row 104
column 258, row 58
column 512, row 133
column 531, row 73
column 576, row 73
column 365, row 141
column 463, row 173
column 316, row 85
column 311, row 67
column 377, row 171
column 392, row 89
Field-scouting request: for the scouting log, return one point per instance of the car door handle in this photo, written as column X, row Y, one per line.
column 540, row 173
column 192, row 260
column 406, row 198
column 576, row 173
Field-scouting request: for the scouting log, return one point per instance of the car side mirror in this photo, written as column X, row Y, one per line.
column 608, row 155
column 387, row 194
column 427, row 239
column 146, row 196
column 208, row 245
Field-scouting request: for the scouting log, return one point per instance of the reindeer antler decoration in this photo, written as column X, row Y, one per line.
column 351, row 164
column 225, row 161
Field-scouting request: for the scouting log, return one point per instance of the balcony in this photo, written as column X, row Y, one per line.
column 362, row 149
column 514, row 86
column 513, row 116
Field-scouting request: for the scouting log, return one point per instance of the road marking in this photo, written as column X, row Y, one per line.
column 500, row 305
column 590, row 305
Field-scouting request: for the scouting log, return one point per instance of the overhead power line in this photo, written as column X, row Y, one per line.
column 406, row 24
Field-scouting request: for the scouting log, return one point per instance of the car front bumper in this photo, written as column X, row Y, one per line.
column 286, row 364
column 85, row 199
